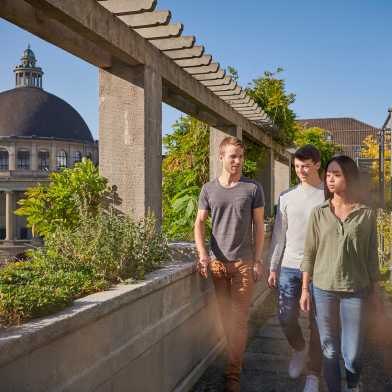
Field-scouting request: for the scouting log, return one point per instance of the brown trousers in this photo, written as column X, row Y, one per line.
column 233, row 283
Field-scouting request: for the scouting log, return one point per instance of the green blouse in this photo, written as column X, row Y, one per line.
column 341, row 256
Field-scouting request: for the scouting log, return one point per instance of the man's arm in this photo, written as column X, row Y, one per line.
column 258, row 222
column 204, row 258
column 278, row 243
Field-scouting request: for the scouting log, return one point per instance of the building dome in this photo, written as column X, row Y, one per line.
column 30, row 112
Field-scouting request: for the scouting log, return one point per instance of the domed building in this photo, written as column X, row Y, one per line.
column 39, row 133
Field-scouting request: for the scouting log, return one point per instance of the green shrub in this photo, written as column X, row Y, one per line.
column 33, row 289
column 102, row 250
column 80, row 188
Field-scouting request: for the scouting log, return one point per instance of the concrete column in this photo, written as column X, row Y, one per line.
column 52, row 157
column 12, row 157
column 9, row 216
column 34, row 156
column 216, row 137
column 267, row 179
column 130, row 136
column 239, row 132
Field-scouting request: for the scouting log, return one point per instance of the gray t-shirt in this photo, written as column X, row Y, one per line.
column 231, row 214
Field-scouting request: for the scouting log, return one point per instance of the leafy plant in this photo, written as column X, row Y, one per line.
column 269, row 92
column 102, row 250
column 59, row 203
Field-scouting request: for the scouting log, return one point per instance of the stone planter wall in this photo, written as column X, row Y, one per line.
column 154, row 336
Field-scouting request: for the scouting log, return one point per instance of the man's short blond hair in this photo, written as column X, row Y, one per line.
column 230, row 141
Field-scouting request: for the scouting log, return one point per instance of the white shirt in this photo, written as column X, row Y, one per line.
column 288, row 238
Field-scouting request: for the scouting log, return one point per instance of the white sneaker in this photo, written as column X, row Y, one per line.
column 311, row 384
column 297, row 363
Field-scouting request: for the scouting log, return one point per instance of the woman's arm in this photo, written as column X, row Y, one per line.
column 373, row 266
column 307, row 265
column 305, row 294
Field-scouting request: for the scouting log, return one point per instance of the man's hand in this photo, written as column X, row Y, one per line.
column 258, row 270
column 304, row 302
column 202, row 266
column 273, row 280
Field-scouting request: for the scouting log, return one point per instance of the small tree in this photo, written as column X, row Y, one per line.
column 269, row 92
column 60, row 203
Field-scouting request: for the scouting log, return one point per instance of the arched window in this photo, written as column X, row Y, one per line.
column 61, row 159
column 76, row 156
column 23, row 160
column 43, row 160
column 4, row 160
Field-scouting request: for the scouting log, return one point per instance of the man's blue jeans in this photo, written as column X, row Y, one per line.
column 340, row 319
column 290, row 285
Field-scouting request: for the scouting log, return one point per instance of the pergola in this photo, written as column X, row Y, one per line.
column 144, row 61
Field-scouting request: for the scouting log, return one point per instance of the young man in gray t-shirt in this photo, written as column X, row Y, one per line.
column 236, row 205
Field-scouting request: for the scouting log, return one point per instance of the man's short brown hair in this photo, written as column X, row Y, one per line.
column 230, row 141
column 308, row 151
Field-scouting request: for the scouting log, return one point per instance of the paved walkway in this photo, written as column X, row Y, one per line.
column 265, row 364
column 266, row 361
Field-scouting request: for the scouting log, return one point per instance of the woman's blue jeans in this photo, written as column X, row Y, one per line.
column 340, row 320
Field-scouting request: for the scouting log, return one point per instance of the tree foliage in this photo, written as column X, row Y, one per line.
column 185, row 170
column 269, row 92
column 59, row 204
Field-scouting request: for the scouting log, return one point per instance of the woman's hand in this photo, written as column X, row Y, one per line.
column 304, row 302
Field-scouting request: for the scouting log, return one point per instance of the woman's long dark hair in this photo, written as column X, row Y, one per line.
column 351, row 175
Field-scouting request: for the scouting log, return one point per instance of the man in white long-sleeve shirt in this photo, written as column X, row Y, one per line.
column 286, row 254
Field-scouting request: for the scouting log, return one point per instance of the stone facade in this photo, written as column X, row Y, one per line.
column 28, row 152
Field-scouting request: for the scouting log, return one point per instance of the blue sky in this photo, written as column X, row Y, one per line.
column 336, row 54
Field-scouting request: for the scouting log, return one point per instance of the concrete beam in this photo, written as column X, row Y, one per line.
column 219, row 82
column 196, row 51
column 160, row 32
column 251, row 103
column 174, row 43
column 123, row 7
column 206, row 69
column 228, row 87
column 246, row 111
column 225, row 93
column 35, row 21
column 97, row 25
column 249, row 106
column 195, row 62
column 147, row 19
column 246, row 101
column 235, row 97
column 211, row 76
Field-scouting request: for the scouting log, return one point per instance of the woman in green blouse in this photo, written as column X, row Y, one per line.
column 341, row 258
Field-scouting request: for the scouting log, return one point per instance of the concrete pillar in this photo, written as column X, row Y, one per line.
column 52, row 157
column 216, row 137
column 34, row 156
column 9, row 216
column 130, row 136
column 12, row 157
column 239, row 132
column 267, row 179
